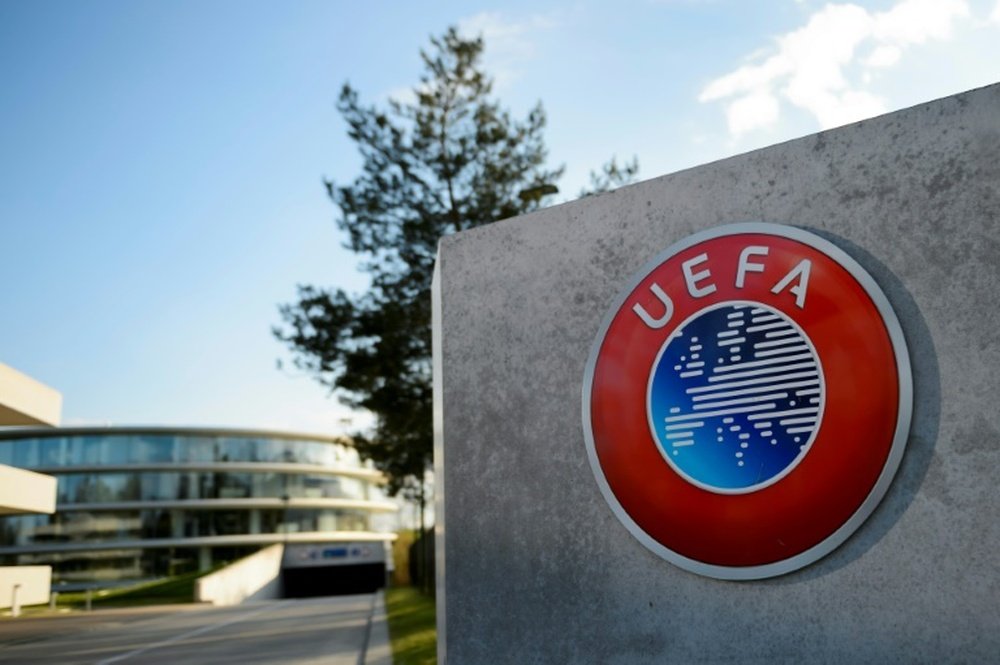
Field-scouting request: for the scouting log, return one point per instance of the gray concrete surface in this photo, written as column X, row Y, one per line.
column 331, row 631
column 379, row 647
column 533, row 565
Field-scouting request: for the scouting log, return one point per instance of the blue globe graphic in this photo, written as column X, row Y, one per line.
column 735, row 397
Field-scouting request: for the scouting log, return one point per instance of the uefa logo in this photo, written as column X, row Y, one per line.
column 747, row 401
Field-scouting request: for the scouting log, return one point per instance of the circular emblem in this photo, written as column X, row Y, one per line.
column 747, row 401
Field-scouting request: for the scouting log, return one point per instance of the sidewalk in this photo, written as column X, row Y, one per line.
column 378, row 651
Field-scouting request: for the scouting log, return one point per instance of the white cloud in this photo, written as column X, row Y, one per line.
column 751, row 112
column 995, row 16
column 509, row 43
column 883, row 57
column 824, row 66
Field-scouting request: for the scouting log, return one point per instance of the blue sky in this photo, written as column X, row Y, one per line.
column 161, row 162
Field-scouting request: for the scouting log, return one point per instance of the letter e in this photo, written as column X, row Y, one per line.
column 693, row 277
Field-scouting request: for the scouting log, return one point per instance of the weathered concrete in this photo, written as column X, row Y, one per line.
column 535, row 568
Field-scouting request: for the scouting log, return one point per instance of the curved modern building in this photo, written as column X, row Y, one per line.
column 137, row 503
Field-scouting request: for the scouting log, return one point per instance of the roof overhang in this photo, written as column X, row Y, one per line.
column 26, row 492
column 25, row 401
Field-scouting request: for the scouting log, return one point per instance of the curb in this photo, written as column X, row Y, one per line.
column 377, row 650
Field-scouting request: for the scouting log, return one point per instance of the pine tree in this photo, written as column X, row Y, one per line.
column 451, row 160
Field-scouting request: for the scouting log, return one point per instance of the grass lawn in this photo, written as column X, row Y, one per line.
column 177, row 589
column 412, row 627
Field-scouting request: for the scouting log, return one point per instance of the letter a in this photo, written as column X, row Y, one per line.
column 668, row 306
column 802, row 272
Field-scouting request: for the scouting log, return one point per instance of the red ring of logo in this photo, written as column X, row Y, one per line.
column 860, row 438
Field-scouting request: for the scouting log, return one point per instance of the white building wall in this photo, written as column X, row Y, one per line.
column 26, row 492
column 256, row 577
column 25, row 401
column 33, row 584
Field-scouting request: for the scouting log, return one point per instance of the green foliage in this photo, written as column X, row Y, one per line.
column 177, row 589
column 452, row 159
column 412, row 627
column 612, row 176
column 401, row 557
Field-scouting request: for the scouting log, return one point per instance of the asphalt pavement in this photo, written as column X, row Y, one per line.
column 331, row 630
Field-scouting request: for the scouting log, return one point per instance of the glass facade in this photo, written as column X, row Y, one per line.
column 101, row 531
column 87, row 488
column 109, row 449
column 114, row 526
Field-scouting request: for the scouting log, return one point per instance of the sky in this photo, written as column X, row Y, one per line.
column 161, row 163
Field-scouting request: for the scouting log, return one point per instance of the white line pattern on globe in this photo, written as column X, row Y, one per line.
column 767, row 373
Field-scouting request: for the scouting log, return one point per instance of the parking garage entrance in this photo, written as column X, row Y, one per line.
column 333, row 569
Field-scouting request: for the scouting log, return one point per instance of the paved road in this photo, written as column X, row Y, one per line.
column 294, row 632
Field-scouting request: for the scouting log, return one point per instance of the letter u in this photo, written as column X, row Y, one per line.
column 668, row 308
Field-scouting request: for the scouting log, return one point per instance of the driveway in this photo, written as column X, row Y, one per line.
column 330, row 630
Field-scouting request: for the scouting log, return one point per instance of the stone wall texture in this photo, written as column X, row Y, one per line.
column 533, row 565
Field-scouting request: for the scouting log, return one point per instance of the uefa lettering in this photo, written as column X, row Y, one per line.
column 747, row 400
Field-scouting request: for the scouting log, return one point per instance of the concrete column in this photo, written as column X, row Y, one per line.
column 254, row 521
column 177, row 523
column 204, row 558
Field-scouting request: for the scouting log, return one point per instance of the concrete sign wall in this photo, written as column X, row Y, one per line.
column 534, row 566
